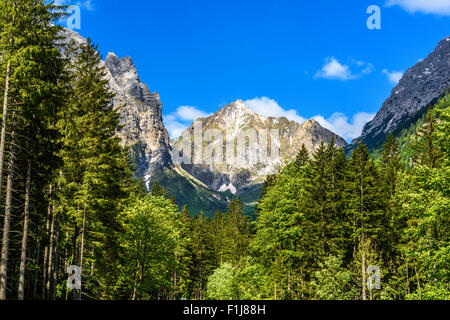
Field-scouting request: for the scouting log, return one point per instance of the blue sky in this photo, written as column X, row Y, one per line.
column 297, row 58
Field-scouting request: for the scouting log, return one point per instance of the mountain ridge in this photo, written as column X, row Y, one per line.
column 419, row 88
column 233, row 122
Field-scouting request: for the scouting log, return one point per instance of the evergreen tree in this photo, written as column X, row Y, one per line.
column 204, row 261
column 365, row 208
column 157, row 190
column 32, row 69
column 185, row 258
column 302, row 157
column 237, row 232
column 425, row 150
column 96, row 177
column 220, row 239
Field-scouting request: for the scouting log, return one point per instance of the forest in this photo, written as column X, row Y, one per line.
column 68, row 197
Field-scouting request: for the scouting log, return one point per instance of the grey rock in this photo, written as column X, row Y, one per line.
column 140, row 111
column 232, row 122
column 421, row 86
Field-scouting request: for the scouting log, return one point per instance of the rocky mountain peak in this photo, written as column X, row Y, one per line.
column 421, row 86
column 140, row 113
column 125, row 74
column 311, row 123
column 235, row 111
column 235, row 121
column 118, row 66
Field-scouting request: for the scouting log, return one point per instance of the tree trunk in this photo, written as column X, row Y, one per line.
column 407, row 277
column 363, row 238
column 47, row 230
column 36, row 261
column 8, row 209
column 50, row 255
column 133, row 296
column 56, row 259
column 82, row 239
column 4, row 120
column 363, row 270
column 174, row 293
column 82, row 246
column 417, row 277
column 23, row 252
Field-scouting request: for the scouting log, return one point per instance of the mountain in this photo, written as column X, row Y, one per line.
column 141, row 117
column 230, row 126
column 202, row 187
column 420, row 87
column 140, row 111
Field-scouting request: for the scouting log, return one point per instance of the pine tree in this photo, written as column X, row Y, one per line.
column 237, row 232
column 31, row 99
column 185, row 257
column 221, row 242
column 157, row 190
column 336, row 172
column 302, row 157
column 425, row 150
column 315, row 200
column 390, row 165
column 202, row 256
column 96, row 178
column 365, row 208
column 390, row 171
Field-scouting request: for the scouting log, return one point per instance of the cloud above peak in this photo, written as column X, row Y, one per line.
column 332, row 69
column 341, row 125
column 84, row 4
column 338, row 123
column 393, row 76
column 179, row 120
column 267, row 107
column 438, row 7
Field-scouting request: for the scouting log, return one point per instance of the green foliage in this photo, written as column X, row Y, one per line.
column 252, row 280
column 319, row 224
column 222, row 284
column 332, row 281
column 425, row 151
column 149, row 244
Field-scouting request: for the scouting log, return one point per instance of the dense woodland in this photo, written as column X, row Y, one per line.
column 67, row 197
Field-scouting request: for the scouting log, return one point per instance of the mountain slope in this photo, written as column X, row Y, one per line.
column 201, row 187
column 420, row 87
column 229, row 126
column 141, row 117
column 140, row 111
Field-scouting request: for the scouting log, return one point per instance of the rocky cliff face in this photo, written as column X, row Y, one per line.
column 140, row 111
column 420, row 87
column 141, row 117
column 202, row 187
column 242, row 130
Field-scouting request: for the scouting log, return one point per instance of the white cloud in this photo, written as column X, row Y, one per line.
column 188, row 113
column 178, row 121
column 340, row 124
column 84, row 4
column 270, row 108
column 393, row 76
column 87, row 4
column 439, row 7
column 334, row 70
column 337, row 123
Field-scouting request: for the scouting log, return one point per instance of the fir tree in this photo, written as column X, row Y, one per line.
column 302, row 157
column 365, row 208
column 96, row 177
column 425, row 150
